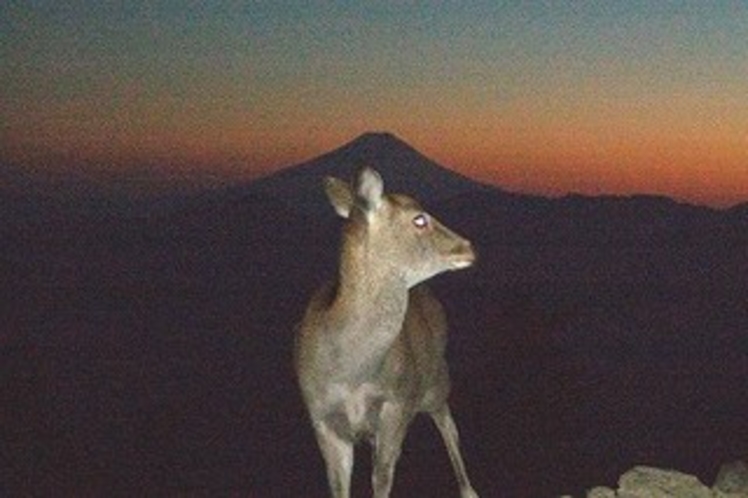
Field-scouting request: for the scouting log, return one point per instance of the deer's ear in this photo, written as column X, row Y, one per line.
column 340, row 196
column 369, row 189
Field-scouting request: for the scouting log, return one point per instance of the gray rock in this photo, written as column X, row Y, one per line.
column 732, row 480
column 650, row 482
column 601, row 492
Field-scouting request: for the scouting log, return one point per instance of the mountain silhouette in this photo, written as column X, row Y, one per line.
column 403, row 168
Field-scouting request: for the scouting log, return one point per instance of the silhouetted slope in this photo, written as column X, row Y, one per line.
column 590, row 221
column 740, row 212
column 403, row 168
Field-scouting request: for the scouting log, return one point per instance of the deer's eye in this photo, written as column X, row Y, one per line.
column 421, row 221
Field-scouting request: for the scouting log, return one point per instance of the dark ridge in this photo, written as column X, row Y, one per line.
column 739, row 211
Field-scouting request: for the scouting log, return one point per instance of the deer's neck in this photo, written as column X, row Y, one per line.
column 369, row 307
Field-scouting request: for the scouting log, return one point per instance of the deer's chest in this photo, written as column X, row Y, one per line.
column 354, row 409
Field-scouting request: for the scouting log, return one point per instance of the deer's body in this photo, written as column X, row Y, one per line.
column 370, row 349
column 348, row 393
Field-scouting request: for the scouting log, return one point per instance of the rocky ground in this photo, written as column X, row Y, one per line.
column 650, row 482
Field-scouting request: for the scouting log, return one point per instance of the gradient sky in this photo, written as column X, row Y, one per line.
column 543, row 96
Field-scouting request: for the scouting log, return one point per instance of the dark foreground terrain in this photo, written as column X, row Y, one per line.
column 145, row 350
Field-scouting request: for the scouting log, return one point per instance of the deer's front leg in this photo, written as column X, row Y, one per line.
column 393, row 424
column 338, row 455
column 448, row 429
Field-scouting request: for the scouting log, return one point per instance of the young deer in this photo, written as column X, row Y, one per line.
column 370, row 348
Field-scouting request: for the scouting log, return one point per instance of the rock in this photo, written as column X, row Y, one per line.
column 650, row 482
column 732, row 480
column 601, row 492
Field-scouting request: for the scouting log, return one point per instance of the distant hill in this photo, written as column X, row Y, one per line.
column 575, row 220
column 403, row 168
column 740, row 211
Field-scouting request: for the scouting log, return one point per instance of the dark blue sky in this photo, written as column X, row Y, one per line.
column 545, row 96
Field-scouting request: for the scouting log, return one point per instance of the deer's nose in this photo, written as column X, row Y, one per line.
column 463, row 255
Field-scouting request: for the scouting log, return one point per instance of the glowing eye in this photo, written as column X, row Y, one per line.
column 421, row 221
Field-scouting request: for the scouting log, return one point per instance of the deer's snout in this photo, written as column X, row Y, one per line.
column 463, row 255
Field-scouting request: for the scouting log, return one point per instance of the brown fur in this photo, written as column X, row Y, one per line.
column 370, row 349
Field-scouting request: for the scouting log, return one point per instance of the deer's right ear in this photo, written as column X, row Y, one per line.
column 340, row 196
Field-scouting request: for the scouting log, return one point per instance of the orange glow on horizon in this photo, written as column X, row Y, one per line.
column 705, row 171
column 602, row 146
column 698, row 168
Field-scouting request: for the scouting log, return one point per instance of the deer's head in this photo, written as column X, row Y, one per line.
column 393, row 233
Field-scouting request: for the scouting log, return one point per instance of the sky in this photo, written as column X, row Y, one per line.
column 549, row 97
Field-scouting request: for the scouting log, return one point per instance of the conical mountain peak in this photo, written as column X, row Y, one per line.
column 374, row 137
column 379, row 150
column 402, row 167
column 379, row 141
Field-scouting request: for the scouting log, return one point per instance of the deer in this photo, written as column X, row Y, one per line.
column 370, row 348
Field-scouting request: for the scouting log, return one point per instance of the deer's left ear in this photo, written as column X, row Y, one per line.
column 369, row 190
